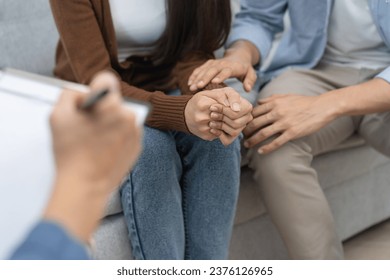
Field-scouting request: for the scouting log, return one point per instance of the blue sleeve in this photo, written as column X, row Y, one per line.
column 258, row 22
column 385, row 75
column 49, row 241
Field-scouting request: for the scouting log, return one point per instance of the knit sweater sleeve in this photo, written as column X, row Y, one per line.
column 83, row 52
column 186, row 66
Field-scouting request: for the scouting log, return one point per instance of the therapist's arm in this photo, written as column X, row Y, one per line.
column 93, row 152
column 49, row 240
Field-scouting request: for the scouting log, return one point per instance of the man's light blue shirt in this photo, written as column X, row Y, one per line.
column 304, row 43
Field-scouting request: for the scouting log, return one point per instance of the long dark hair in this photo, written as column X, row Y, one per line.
column 193, row 25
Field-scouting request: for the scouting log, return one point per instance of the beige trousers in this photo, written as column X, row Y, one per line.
column 288, row 183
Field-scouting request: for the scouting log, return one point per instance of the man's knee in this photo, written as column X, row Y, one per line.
column 287, row 159
column 374, row 128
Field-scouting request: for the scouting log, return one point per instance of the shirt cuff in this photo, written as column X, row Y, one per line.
column 49, row 241
column 385, row 75
column 254, row 33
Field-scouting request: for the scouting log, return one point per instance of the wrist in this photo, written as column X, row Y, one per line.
column 238, row 55
column 82, row 178
column 334, row 107
column 343, row 101
column 76, row 207
column 188, row 111
column 243, row 51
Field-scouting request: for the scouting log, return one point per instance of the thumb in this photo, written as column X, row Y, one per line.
column 250, row 79
column 226, row 96
column 218, row 95
column 106, row 80
column 234, row 99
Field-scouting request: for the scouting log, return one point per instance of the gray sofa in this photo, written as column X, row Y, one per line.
column 355, row 178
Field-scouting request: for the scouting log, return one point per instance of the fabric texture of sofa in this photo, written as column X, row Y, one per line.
column 355, row 178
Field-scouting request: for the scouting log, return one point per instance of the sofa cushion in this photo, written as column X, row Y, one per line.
column 114, row 205
column 333, row 168
column 28, row 36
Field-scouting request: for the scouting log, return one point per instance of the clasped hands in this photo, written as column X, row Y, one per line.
column 219, row 113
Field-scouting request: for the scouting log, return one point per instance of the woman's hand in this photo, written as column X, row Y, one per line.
column 225, row 120
column 237, row 62
column 199, row 109
column 289, row 117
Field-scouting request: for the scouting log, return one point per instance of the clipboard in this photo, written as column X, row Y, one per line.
column 47, row 90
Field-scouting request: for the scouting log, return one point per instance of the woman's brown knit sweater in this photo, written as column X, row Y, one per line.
column 88, row 45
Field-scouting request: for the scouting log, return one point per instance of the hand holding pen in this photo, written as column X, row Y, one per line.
column 93, row 152
column 93, row 98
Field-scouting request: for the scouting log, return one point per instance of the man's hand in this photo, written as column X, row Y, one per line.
column 292, row 116
column 287, row 117
column 237, row 62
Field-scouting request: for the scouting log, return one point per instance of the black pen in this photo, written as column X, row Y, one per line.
column 93, row 99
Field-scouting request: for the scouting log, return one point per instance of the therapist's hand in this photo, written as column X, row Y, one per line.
column 93, row 152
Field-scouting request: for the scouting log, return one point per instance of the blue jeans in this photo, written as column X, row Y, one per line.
column 179, row 201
